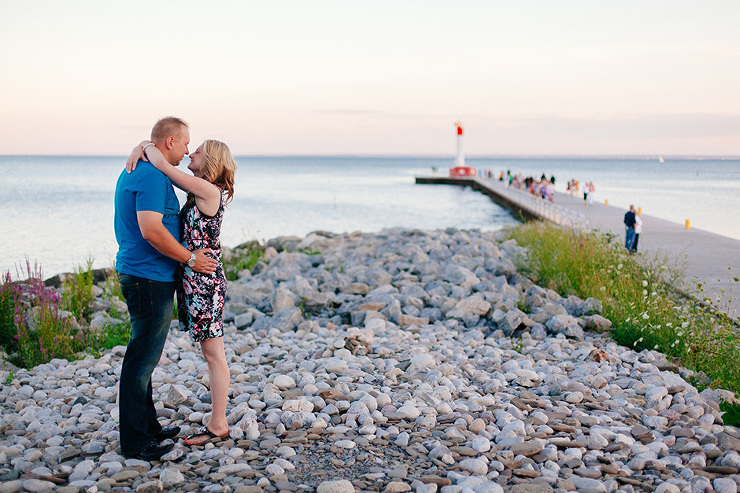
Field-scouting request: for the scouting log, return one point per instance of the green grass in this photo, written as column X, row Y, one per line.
column 41, row 331
column 11, row 310
column 636, row 296
column 35, row 321
column 111, row 287
column 243, row 257
column 78, row 294
column 731, row 412
column 110, row 336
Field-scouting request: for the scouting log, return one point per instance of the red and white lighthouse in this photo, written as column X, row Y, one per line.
column 460, row 158
column 460, row 170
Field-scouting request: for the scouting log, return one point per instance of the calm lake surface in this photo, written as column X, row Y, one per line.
column 58, row 210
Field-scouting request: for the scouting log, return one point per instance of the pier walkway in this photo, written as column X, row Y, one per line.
column 706, row 258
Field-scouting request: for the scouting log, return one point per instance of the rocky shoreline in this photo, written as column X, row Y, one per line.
column 398, row 361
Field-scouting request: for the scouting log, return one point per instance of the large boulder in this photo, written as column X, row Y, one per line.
column 473, row 305
column 460, row 276
column 566, row 325
column 287, row 318
column 508, row 321
column 596, row 323
column 283, row 298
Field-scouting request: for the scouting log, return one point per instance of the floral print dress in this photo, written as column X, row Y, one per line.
column 200, row 297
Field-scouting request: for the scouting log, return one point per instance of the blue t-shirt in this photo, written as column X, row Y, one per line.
column 144, row 189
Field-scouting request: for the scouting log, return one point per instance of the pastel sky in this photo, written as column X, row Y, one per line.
column 381, row 77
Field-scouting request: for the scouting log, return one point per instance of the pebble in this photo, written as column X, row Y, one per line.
column 150, row 487
column 171, row 476
column 341, row 486
column 420, row 360
column 588, row 485
column 474, row 466
column 397, row 487
column 528, row 448
column 721, row 485
column 37, row 485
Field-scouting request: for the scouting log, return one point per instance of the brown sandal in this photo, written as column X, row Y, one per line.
column 204, row 431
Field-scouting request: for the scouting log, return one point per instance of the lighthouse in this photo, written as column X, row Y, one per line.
column 460, row 170
column 460, row 158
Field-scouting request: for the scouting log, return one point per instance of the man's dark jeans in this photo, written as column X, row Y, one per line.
column 629, row 237
column 150, row 306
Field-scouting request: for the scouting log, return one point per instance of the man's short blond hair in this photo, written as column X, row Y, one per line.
column 168, row 126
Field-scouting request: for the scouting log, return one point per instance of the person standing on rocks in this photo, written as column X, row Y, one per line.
column 147, row 231
column 629, row 228
column 200, row 297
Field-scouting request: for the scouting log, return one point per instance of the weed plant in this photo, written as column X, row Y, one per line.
column 78, row 294
column 110, row 336
column 636, row 296
column 11, row 310
column 40, row 331
column 111, row 287
column 38, row 325
column 243, row 257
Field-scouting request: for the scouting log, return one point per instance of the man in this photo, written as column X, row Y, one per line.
column 629, row 224
column 147, row 229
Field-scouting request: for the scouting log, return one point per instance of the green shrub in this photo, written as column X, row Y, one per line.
column 243, row 257
column 34, row 327
column 11, row 310
column 110, row 336
column 636, row 296
column 78, row 295
column 731, row 416
column 111, row 287
column 41, row 331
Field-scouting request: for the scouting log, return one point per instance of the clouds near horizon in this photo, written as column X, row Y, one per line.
column 573, row 77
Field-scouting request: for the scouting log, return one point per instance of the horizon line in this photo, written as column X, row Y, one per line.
column 440, row 156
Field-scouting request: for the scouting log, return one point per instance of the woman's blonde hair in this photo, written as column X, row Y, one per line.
column 219, row 168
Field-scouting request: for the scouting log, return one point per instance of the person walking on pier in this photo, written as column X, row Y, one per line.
column 629, row 224
column 591, row 189
column 638, row 230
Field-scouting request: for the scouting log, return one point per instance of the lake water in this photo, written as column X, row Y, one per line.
column 58, row 210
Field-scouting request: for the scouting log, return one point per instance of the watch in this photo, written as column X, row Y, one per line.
column 191, row 261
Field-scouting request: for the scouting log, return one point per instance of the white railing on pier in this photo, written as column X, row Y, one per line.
column 537, row 206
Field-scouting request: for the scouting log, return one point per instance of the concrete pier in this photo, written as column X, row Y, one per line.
column 710, row 261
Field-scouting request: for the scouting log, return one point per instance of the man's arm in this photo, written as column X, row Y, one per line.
column 153, row 231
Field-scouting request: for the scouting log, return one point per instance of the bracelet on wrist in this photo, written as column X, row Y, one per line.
column 143, row 147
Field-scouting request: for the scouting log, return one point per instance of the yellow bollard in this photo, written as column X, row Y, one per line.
column 688, row 224
column 606, row 202
column 639, row 211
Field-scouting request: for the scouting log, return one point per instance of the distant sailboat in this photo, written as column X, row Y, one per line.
column 660, row 159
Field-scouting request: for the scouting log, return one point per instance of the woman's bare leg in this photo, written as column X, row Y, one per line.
column 219, row 376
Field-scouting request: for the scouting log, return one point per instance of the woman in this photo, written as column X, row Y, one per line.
column 200, row 297
column 638, row 230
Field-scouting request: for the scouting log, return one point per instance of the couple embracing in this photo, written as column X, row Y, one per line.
column 162, row 251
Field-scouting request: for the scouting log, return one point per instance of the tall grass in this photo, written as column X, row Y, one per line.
column 11, row 310
column 636, row 296
column 39, row 330
column 38, row 324
column 78, row 294
column 243, row 257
